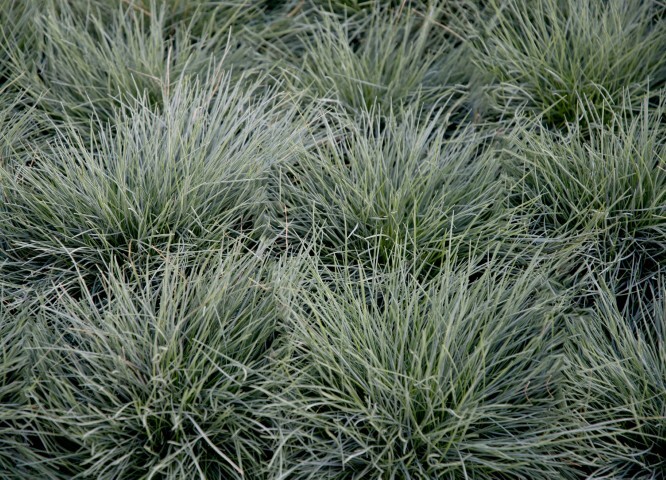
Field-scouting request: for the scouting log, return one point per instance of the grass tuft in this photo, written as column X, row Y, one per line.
column 616, row 373
column 382, row 182
column 19, row 456
column 391, row 377
column 91, row 65
column 547, row 57
column 600, row 189
column 191, row 175
column 389, row 58
column 163, row 380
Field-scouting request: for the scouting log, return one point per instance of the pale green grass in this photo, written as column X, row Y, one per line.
column 616, row 373
column 190, row 175
column 385, row 180
column 19, row 456
column 332, row 239
column 385, row 59
column 388, row 377
column 163, row 380
column 91, row 64
column 547, row 57
column 600, row 189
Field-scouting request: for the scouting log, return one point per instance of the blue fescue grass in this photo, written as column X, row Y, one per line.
column 383, row 180
column 190, row 175
column 616, row 375
column 332, row 239
column 548, row 57
column 600, row 189
column 163, row 380
column 93, row 61
column 390, row 377
column 383, row 60
column 18, row 457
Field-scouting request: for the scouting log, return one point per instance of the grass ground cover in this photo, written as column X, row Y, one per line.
column 333, row 239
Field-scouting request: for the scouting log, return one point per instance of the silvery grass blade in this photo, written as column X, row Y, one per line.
column 19, row 132
column 16, row 32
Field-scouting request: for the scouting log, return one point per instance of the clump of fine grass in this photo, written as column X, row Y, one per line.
column 544, row 57
column 190, row 175
column 162, row 381
column 389, row 377
column 386, row 180
column 455, row 301
column 89, row 65
column 19, row 458
column 385, row 58
column 601, row 189
column 616, row 373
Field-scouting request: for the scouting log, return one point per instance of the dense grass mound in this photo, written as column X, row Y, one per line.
column 333, row 239
column 191, row 174
column 384, row 181
column 164, row 379
column 600, row 191
column 552, row 57
column 395, row 378
column 383, row 60
column 617, row 375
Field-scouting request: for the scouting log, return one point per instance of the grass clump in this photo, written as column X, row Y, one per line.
column 389, row 377
column 190, row 175
column 616, row 373
column 91, row 65
column 386, row 59
column 601, row 188
column 546, row 57
column 163, row 380
column 384, row 181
